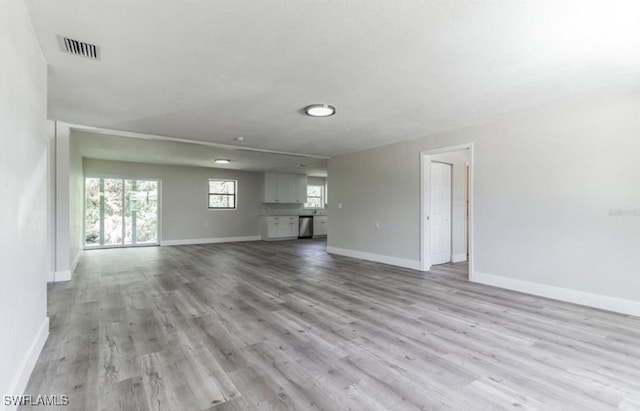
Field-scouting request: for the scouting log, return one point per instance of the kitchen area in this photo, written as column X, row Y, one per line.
column 293, row 207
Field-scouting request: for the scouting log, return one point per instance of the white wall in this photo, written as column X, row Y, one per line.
column 69, row 191
column 76, row 202
column 458, row 161
column 546, row 183
column 316, row 181
column 62, row 246
column 51, row 198
column 23, row 198
column 185, row 216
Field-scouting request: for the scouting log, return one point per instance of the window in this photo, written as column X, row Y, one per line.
column 315, row 197
column 222, row 194
column 121, row 212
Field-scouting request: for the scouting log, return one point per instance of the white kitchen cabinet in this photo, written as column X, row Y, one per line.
column 300, row 188
column 270, row 193
column 279, row 227
column 292, row 227
column 320, row 224
column 284, row 188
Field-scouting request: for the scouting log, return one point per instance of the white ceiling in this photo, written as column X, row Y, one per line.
column 108, row 145
column 215, row 70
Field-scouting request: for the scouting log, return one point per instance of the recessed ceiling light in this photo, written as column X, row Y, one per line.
column 239, row 138
column 222, row 161
column 320, row 110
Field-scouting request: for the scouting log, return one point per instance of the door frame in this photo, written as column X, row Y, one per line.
column 118, row 177
column 425, row 204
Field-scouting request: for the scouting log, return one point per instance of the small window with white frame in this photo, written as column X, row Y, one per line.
column 315, row 197
column 222, row 194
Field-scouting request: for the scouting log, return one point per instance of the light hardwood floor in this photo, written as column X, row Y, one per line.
column 270, row 326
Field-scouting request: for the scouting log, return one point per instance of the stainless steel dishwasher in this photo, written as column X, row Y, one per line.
column 305, row 226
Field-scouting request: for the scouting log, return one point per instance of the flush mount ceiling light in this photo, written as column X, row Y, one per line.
column 320, row 110
column 222, row 161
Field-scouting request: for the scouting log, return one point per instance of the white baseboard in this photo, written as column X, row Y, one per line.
column 210, row 240
column 456, row 258
column 619, row 305
column 279, row 238
column 74, row 263
column 64, row 275
column 378, row 258
column 28, row 363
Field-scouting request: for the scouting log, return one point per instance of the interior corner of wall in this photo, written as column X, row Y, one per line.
column 74, row 263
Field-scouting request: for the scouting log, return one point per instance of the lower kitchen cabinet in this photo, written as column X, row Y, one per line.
column 320, row 224
column 279, row 228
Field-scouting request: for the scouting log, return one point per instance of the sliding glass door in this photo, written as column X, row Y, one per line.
column 121, row 212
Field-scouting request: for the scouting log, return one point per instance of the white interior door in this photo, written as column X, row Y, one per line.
column 440, row 213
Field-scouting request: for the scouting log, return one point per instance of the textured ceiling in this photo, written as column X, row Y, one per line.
column 215, row 70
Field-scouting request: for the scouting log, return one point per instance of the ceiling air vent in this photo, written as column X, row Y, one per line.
column 79, row 48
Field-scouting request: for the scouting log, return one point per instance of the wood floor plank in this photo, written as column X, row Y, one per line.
column 125, row 395
column 286, row 326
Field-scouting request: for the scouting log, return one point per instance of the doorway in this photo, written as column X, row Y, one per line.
column 121, row 212
column 446, row 227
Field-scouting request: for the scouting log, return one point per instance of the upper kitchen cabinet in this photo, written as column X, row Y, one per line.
column 284, row 188
column 300, row 188
column 270, row 188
